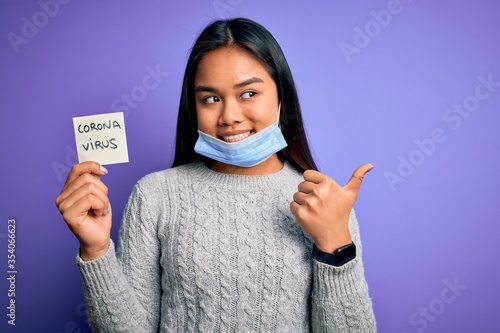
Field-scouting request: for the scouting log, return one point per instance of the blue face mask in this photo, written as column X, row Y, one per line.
column 245, row 153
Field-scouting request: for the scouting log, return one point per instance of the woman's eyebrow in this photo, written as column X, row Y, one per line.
column 205, row 88
column 237, row 85
column 248, row 82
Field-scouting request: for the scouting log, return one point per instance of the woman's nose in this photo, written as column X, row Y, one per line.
column 230, row 113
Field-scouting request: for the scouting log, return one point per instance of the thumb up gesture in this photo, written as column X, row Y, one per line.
column 322, row 207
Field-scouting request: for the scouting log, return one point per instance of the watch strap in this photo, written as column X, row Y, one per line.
column 341, row 256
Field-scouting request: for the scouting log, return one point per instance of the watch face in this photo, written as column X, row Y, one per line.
column 345, row 254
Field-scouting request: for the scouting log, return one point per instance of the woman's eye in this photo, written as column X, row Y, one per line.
column 210, row 99
column 248, row 94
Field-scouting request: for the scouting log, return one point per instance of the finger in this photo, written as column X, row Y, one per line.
column 300, row 197
column 93, row 195
column 90, row 192
column 357, row 178
column 295, row 208
column 89, row 205
column 81, row 181
column 313, row 176
column 306, row 187
column 79, row 210
column 84, row 179
column 301, row 214
column 85, row 167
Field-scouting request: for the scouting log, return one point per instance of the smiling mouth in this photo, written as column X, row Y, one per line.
column 237, row 137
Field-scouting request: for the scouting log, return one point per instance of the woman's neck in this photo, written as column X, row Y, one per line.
column 271, row 165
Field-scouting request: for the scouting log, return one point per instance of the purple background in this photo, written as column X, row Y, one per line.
column 434, row 226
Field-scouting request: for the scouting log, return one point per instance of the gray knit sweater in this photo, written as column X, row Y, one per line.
column 201, row 251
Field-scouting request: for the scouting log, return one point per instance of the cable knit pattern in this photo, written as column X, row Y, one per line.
column 185, row 252
column 201, row 251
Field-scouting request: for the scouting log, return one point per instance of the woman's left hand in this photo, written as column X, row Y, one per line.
column 322, row 207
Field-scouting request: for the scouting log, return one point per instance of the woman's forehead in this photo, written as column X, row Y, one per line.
column 229, row 65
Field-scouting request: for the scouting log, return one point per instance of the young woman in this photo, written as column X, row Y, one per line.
column 242, row 234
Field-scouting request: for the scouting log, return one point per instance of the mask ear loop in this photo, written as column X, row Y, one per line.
column 279, row 111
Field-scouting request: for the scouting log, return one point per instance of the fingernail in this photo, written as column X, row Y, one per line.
column 103, row 169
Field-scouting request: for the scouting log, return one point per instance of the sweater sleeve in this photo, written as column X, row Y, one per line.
column 340, row 300
column 122, row 289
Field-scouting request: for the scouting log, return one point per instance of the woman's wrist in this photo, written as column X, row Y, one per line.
column 333, row 244
column 338, row 258
column 92, row 253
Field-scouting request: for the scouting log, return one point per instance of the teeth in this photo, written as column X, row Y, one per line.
column 236, row 138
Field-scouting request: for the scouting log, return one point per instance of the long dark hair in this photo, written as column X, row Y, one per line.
column 258, row 41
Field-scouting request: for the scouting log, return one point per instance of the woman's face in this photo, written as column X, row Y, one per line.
column 235, row 95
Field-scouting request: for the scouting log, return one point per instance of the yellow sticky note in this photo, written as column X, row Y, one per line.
column 101, row 138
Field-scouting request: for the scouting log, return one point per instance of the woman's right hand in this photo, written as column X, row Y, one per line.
column 85, row 207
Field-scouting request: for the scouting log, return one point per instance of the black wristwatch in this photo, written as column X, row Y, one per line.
column 341, row 256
